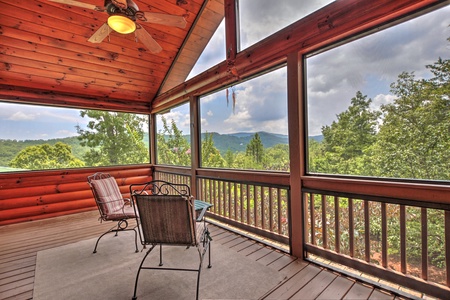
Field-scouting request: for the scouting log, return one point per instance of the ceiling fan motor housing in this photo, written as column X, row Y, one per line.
column 129, row 11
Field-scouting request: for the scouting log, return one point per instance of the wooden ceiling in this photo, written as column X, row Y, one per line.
column 46, row 57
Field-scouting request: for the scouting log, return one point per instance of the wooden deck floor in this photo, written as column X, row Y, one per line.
column 21, row 242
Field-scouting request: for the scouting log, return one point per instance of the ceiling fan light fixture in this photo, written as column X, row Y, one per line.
column 121, row 24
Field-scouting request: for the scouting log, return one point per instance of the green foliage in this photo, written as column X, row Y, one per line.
column 255, row 149
column 408, row 138
column 113, row 138
column 45, row 156
column 172, row 147
column 348, row 139
column 10, row 148
column 210, row 155
column 413, row 141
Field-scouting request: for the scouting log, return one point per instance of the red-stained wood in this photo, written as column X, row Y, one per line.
column 343, row 19
column 25, row 240
column 44, row 50
column 28, row 196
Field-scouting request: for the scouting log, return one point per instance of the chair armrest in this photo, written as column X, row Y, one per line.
column 202, row 214
column 128, row 201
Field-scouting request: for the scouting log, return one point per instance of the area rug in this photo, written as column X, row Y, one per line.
column 74, row 272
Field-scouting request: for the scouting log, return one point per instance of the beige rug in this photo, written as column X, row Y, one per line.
column 74, row 272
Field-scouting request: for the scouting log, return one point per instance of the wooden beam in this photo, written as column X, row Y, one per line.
column 332, row 23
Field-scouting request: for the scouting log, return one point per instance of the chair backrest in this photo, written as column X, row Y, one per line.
column 166, row 212
column 166, row 219
column 106, row 193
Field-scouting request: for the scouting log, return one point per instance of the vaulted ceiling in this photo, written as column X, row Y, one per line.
column 46, row 57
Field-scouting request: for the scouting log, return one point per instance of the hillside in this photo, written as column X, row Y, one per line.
column 236, row 142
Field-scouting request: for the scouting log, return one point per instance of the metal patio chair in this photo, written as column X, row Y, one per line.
column 111, row 204
column 167, row 217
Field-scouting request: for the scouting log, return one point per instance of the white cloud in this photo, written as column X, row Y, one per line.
column 21, row 116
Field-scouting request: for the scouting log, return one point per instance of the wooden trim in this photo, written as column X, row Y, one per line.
column 427, row 192
column 332, row 23
column 231, row 29
column 266, row 178
column 296, row 135
column 195, row 141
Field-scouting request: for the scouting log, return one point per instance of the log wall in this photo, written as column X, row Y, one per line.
column 27, row 196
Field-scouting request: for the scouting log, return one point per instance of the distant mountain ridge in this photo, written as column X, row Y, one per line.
column 238, row 141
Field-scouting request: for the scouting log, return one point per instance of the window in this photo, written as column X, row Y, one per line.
column 42, row 137
column 379, row 106
column 245, row 126
column 261, row 18
column 173, row 144
column 213, row 54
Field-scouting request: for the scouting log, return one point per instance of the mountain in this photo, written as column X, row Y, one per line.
column 237, row 142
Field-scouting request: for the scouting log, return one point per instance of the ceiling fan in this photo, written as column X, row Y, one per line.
column 123, row 15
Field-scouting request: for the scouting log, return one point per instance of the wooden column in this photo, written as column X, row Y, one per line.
column 231, row 29
column 152, row 137
column 195, row 142
column 296, row 151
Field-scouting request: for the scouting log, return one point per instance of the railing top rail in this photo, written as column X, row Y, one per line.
column 407, row 202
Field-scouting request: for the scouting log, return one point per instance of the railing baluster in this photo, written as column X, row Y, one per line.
column 337, row 233
column 447, row 246
column 241, row 201
column 366, row 231
column 312, row 216
column 424, row 222
column 279, row 210
column 383, row 235
column 230, row 211
column 263, row 213
column 324, row 222
column 403, row 239
column 351, row 228
column 271, row 208
column 247, row 193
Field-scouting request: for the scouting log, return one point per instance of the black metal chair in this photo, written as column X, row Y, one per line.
column 167, row 217
column 111, row 204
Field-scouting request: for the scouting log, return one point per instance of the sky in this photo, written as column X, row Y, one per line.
column 333, row 77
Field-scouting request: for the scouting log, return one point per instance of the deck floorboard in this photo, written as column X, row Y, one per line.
column 20, row 244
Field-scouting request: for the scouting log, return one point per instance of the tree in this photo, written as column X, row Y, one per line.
column 113, row 138
column 349, row 139
column 277, row 158
column 255, row 149
column 210, row 154
column 173, row 148
column 413, row 141
column 45, row 156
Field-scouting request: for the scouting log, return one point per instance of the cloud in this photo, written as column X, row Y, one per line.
column 21, row 116
column 261, row 18
column 213, row 54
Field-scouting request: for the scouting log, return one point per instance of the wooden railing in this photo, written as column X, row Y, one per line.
column 251, row 201
column 173, row 176
column 405, row 242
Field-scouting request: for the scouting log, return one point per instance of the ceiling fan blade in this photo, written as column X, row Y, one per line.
column 147, row 40
column 100, row 34
column 77, row 3
column 164, row 19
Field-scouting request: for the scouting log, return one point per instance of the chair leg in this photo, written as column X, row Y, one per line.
column 98, row 240
column 209, row 255
column 139, row 271
column 160, row 255
column 135, row 240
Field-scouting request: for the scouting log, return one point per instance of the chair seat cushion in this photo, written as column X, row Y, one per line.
column 127, row 212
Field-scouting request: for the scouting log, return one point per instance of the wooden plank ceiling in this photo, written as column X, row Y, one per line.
column 46, row 57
